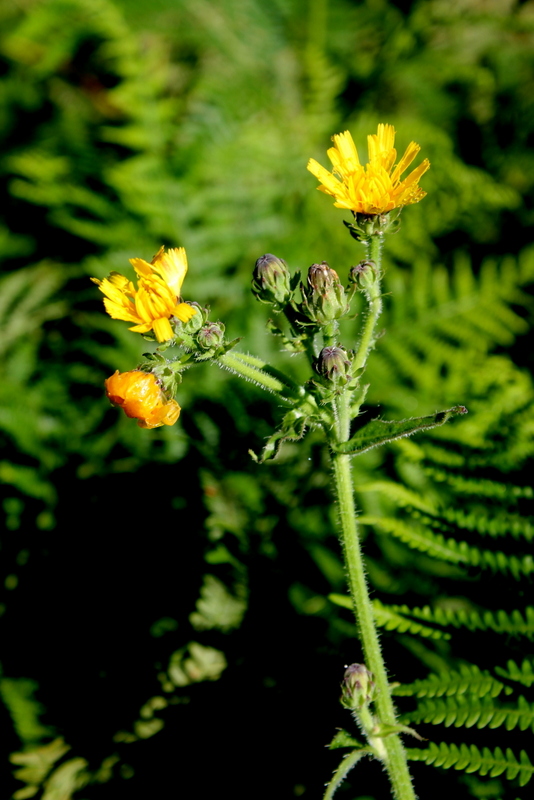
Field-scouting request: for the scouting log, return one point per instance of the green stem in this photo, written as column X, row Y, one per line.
column 374, row 297
column 395, row 761
column 262, row 374
column 348, row 762
column 395, row 755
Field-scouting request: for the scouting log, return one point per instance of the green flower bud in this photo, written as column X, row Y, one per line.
column 196, row 322
column 365, row 275
column 358, row 687
column 211, row 335
column 333, row 364
column 323, row 298
column 271, row 281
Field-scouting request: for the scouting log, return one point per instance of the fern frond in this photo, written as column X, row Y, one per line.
column 388, row 617
column 493, row 524
column 469, row 679
column 512, row 623
column 523, row 674
column 467, row 711
column 479, row 487
column 399, row 494
column 423, row 539
column 471, row 759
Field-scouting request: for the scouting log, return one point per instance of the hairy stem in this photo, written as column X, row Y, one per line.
column 340, row 774
column 374, row 297
column 395, row 756
column 395, row 761
column 262, row 374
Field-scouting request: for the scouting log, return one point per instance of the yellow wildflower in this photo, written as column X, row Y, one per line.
column 376, row 187
column 156, row 298
column 140, row 397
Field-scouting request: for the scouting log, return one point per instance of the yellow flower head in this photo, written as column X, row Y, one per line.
column 140, row 397
column 156, row 298
column 376, row 187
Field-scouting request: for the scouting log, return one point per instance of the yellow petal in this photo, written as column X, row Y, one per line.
column 184, row 312
column 172, row 267
column 162, row 329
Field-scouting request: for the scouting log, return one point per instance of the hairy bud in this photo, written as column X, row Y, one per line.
column 364, row 275
column 323, row 297
column 334, row 365
column 211, row 335
column 271, row 281
column 358, row 687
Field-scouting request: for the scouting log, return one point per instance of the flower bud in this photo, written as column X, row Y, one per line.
column 364, row 275
column 323, row 298
column 334, row 365
column 271, row 281
column 211, row 335
column 196, row 322
column 358, row 687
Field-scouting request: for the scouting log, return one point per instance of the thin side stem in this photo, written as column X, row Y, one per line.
column 340, row 774
column 259, row 372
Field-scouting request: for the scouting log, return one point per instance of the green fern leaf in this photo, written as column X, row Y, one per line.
column 523, row 674
column 471, row 759
column 468, row 680
column 423, row 539
column 511, row 623
column 389, row 618
column 466, row 711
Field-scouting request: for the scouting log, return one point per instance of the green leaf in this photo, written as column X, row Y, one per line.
column 344, row 739
column 379, row 432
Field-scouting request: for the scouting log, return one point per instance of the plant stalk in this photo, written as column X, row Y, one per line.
column 395, row 760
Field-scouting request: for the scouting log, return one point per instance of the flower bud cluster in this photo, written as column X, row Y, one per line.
column 323, row 297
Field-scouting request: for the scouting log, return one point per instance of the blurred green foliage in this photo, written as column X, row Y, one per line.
column 125, row 126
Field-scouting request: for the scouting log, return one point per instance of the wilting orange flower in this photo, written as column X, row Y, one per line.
column 376, row 187
column 139, row 395
column 156, row 298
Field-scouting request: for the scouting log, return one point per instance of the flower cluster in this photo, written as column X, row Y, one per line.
column 140, row 396
column 156, row 298
column 376, row 187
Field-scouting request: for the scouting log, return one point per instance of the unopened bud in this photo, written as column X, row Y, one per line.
column 333, row 364
column 211, row 335
column 364, row 275
column 271, row 281
column 323, row 298
column 197, row 321
column 358, row 686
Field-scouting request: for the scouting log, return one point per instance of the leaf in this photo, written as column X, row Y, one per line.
column 379, row 432
column 344, row 739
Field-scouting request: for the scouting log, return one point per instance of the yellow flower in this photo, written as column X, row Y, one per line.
column 140, row 397
column 156, row 298
column 376, row 187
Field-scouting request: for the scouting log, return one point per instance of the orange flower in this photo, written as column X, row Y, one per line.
column 140, row 396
